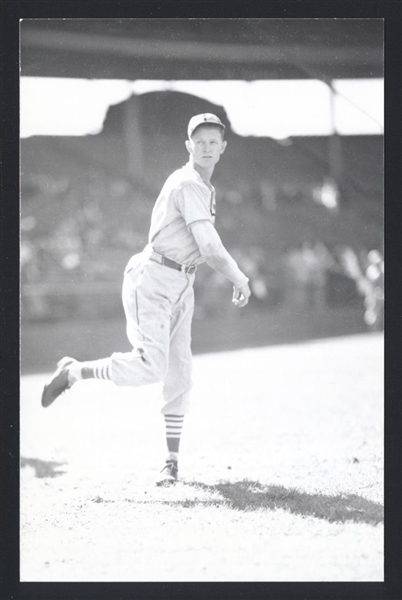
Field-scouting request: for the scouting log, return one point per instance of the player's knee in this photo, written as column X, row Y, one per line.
column 138, row 368
column 156, row 365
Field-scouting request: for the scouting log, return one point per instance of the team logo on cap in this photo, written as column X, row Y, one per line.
column 201, row 119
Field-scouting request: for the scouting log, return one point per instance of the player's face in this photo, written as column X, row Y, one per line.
column 206, row 146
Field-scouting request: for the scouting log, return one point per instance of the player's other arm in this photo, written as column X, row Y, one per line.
column 218, row 258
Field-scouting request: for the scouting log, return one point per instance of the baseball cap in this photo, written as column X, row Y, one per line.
column 201, row 120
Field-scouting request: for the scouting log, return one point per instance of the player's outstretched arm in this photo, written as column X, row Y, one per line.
column 218, row 258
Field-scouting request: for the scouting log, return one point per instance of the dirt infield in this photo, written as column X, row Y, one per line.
column 281, row 473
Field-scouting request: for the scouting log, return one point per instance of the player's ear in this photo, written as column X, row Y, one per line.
column 224, row 144
column 188, row 146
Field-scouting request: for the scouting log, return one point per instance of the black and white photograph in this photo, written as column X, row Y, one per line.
column 201, row 379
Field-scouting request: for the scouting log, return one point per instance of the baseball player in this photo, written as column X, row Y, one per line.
column 158, row 295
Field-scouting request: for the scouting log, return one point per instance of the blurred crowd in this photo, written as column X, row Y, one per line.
column 75, row 242
column 83, row 213
column 368, row 275
column 307, row 276
column 319, row 276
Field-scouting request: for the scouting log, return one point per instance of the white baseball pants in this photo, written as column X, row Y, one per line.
column 159, row 304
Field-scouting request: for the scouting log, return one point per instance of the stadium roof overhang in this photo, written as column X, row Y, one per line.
column 245, row 49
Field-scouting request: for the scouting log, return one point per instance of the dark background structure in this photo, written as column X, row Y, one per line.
column 202, row 48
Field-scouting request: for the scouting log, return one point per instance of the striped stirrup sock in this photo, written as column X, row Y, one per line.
column 174, row 427
column 96, row 369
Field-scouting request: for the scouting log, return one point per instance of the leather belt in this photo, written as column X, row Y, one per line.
column 168, row 262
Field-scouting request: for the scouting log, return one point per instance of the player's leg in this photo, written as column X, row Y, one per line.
column 147, row 307
column 148, row 313
column 176, row 389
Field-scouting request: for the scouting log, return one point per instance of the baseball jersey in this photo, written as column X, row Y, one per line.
column 184, row 199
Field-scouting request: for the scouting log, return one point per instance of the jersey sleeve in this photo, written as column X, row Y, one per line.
column 194, row 204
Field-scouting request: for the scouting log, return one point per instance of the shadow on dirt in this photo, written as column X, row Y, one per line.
column 251, row 495
column 43, row 468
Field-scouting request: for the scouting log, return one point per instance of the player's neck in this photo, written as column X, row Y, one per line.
column 205, row 174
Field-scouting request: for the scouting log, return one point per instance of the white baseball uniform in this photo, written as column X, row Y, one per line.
column 159, row 300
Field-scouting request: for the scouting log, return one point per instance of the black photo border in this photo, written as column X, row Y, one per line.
column 11, row 13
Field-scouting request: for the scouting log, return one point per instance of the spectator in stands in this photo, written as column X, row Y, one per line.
column 374, row 297
column 369, row 281
column 296, row 276
column 317, row 261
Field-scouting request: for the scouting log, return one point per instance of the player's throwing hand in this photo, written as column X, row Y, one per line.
column 241, row 295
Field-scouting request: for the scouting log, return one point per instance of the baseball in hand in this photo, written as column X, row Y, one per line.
column 241, row 295
column 237, row 299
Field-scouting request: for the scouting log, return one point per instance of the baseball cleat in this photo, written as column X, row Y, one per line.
column 169, row 473
column 59, row 382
